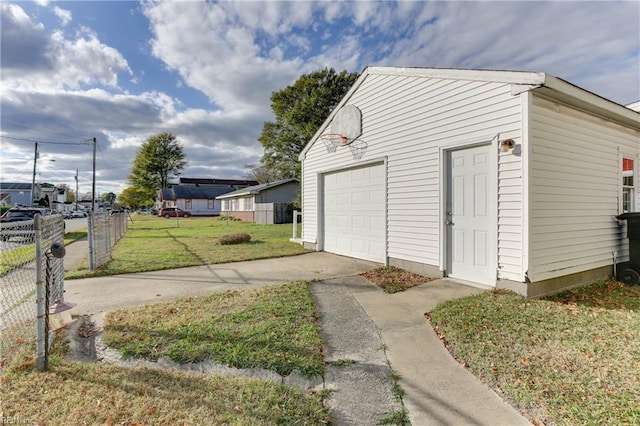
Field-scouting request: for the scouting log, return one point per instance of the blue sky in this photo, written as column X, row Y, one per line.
column 122, row 71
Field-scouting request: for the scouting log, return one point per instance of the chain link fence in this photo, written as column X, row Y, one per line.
column 105, row 230
column 32, row 278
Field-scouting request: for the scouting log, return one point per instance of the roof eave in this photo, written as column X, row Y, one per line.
column 584, row 99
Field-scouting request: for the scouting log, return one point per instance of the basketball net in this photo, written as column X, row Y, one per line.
column 333, row 140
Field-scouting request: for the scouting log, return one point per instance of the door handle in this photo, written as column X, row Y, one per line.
column 448, row 222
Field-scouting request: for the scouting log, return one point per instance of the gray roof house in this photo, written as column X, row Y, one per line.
column 198, row 195
column 199, row 200
column 265, row 203
column 16, row 193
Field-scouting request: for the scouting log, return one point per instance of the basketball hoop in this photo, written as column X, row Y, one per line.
column 358, row 148
column 332, row 141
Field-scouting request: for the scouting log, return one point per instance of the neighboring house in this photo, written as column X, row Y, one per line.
column 57, row 198
column 496, row 178
column 198, row 200
column 266, row 203
column 198, row 196
column 13, row 194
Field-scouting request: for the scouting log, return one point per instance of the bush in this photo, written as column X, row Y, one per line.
column 228, row 217
column 235, row 238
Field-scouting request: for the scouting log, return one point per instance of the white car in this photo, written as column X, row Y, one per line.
column 78, row 213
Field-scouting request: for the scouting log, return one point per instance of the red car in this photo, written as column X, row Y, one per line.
column 173, row 212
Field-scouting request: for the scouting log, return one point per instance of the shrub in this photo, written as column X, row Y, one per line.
column 228, row 217
column 235, row 238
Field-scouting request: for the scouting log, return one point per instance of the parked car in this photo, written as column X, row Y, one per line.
column 167, row 212
column 78, row 213
column 22, row 213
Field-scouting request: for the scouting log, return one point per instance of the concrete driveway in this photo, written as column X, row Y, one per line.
column 358, row 321
column 101, row 294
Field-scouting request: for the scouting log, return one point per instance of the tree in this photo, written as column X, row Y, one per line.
column 109, row 198
column 257, row 172
column 300, row 110
column 160, row 158
column 136, row 197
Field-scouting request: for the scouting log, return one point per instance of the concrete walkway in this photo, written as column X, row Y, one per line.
column 356, row 318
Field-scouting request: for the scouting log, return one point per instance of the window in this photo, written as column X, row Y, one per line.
column 210, row 204
column 187, row 204
column 248, row 203
column 628, row 185
column 234, row 205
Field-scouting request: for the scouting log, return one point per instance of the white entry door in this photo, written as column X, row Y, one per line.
column 354, row 212
column 469, row 215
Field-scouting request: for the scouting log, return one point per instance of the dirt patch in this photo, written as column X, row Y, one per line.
column 393, row 280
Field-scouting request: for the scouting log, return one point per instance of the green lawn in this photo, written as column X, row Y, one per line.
column 570, row 359
column 153, row 243
column 272, row 328
column 74, row 393
column 11, row 259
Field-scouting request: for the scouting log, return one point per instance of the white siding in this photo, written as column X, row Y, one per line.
column 200, row 207
column 407, row 120
column 575, row 190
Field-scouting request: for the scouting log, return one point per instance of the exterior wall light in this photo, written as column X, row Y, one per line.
column 506, row 145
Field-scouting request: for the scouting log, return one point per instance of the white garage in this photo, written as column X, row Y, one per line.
column 354, row 212
column 497, row 178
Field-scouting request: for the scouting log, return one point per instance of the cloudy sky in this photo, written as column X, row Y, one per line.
column 122, row 71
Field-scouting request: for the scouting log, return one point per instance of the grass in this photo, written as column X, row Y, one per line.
column 11, row 259
column 569, row 359
column 73, row 236
column 272, row 327
column 153, row 243
column 77, row 393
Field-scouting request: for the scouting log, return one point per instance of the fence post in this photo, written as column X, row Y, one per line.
column 295, row 224
column 90, row 234
column 108, row 223
column 41, row 303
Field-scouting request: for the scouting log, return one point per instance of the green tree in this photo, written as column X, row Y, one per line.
column 299, row 110
column 136, row 197
column 109, row 198
column 160, row 158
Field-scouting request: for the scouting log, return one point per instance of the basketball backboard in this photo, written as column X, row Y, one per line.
column 347, row 122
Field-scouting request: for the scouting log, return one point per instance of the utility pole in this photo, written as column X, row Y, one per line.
column 33, row 180
column 92, row 217
column 76, row 189
column 93, row 186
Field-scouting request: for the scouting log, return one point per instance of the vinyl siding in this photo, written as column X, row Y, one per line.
column 407, row 120
column 286, row 193
column 575, row 190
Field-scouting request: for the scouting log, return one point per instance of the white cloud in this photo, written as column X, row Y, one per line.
column 55, row 62
column 64, row 15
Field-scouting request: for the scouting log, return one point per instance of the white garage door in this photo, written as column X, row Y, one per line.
column 354, row 213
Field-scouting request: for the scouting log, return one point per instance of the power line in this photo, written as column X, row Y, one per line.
column 46, row 142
